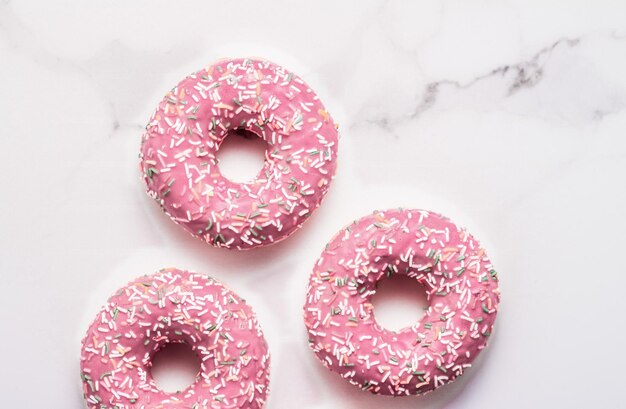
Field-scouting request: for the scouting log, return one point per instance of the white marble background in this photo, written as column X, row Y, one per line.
column 507, row 116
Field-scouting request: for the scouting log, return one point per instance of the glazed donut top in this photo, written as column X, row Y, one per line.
column 175, row 306
column 461, row 287
column 179, row 147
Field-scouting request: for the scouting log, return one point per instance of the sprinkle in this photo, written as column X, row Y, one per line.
column 151, row 172
column 105, row 374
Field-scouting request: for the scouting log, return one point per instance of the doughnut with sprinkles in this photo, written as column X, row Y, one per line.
column 179, row 147
column 461, row 287
column 173, row 306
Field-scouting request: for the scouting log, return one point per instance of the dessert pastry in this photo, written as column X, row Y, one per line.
column 179, row 148
column 166, row 307
column 461, row 287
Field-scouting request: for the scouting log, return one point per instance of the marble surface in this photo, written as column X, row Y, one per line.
column 507, row 116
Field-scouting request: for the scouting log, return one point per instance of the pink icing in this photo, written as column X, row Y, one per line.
column 461, row 286
column 179, row 147
column 175, row 306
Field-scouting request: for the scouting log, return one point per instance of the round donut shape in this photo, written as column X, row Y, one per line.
column 173, row 306
column 179, row 148
column 462, row 290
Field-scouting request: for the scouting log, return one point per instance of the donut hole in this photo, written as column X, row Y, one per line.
column 399, row 302
column 241, row 155
column 175, row 367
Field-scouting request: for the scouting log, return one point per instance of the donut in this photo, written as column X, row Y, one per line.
column 462, row 292
column 179, row 147
column 174, row 306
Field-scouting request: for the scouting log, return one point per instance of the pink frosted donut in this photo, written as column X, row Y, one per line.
column 175, row 306
column 179, row 147
column 462, row 289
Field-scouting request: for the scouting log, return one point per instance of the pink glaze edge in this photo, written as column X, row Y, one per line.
column 179, row 146
column 175, row 306
column 461, row 285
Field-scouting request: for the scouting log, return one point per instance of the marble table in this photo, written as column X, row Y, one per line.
column 507, row 116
